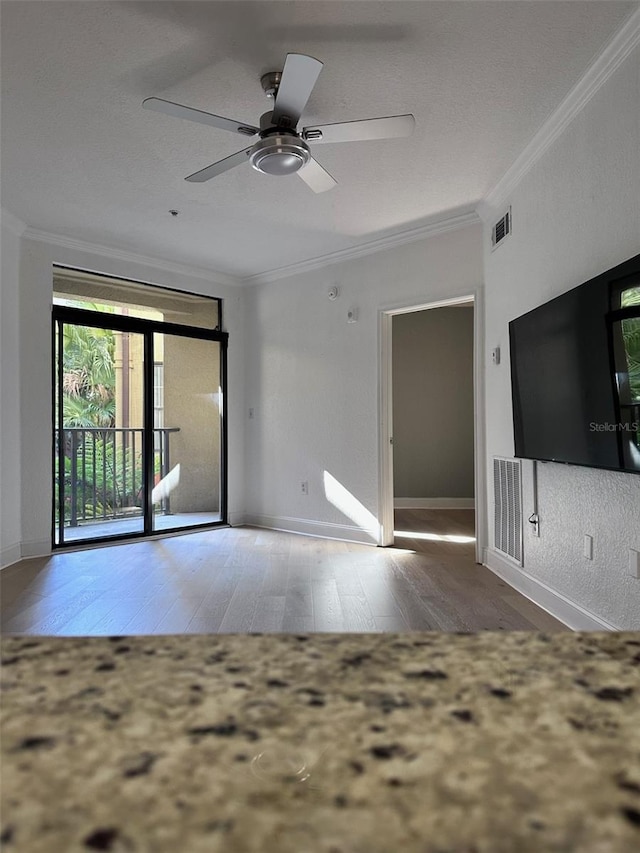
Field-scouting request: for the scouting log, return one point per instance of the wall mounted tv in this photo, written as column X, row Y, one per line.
column 575, row 374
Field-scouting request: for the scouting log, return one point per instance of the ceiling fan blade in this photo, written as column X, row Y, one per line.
column 221, row 166
column 191, row 114
column 316, row 177
column 362, row 130
column 299, row 76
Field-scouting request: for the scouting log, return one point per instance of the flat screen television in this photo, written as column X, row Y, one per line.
column 575, row 374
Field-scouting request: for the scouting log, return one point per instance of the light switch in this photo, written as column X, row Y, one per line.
column 634, row 563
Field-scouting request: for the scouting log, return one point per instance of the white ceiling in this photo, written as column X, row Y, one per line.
column 81, row 158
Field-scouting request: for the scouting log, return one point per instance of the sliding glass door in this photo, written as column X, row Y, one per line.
column 139, row 428
column 99, row 436
column 187, row 486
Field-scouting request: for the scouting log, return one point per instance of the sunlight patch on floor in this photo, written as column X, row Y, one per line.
column 433, row 537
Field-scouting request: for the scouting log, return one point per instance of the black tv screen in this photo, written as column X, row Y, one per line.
column 575, row 374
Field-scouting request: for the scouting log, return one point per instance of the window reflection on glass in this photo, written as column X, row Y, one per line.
column 626, row 349
column 630, row 297
column 631, row 341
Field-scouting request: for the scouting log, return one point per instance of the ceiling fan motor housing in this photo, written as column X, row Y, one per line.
column 278, row 151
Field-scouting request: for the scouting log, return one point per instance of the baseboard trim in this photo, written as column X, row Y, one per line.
column 237, row 519
column 434, row 503
column 10, row 555
column 571, row 614
column 41, row 548
column 306, row 527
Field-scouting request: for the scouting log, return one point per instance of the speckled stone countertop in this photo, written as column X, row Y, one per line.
column 352, row 743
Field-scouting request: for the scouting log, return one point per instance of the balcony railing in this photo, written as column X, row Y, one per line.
column 103, row 472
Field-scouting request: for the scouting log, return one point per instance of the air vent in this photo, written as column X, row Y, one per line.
column 507, row 484
column 501, row 230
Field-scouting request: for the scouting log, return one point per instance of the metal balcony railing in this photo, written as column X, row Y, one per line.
column 103, row 472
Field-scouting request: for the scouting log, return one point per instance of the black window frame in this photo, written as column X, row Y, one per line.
column 97, row 319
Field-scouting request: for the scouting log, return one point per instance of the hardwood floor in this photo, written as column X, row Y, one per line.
column 248, row 580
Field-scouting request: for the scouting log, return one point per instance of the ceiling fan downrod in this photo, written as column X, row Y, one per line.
column 270, row 83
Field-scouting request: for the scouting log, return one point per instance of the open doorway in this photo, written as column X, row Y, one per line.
column 431, row 483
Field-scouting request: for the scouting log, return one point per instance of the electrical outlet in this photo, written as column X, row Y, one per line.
column 305, row 487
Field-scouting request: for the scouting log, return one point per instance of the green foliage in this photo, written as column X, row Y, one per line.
column 112, row 469
column 111, row 472
column 108, row 476
column 83, row 412
column 630, row 297
column 88, row 376
column 631, row 338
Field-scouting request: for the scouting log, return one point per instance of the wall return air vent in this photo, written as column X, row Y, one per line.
column 501, row 230
column 507, row 485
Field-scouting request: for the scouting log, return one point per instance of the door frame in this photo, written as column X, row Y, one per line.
column 385, row 410
column 62, row 314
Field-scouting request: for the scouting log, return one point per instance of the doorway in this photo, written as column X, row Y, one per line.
column 139, row 433
column 430, row 471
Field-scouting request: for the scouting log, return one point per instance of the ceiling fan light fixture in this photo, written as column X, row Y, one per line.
column 280, row 155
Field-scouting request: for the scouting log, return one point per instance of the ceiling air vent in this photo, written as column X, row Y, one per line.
column 501, row 229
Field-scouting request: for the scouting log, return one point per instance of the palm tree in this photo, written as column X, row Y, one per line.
column 88, row 377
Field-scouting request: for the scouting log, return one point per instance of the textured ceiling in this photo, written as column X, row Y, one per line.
column 81, row 158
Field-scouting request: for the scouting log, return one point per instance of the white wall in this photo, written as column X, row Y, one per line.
column 9, row 397
column 312, row 379
column 34, row 453
column 576, row 213
column 433, row 435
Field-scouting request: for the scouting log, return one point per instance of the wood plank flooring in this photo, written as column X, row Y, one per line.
column 245, row 579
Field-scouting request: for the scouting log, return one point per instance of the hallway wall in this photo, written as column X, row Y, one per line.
column 433, row 441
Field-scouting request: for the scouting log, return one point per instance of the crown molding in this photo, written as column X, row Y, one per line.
column 613, row 55
column 485, row 210
column 12, row 223
column 463, row 219
column 211, row 275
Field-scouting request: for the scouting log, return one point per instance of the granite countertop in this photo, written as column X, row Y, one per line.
column 351, row 743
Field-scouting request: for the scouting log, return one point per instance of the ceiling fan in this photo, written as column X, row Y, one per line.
column 281, row 149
